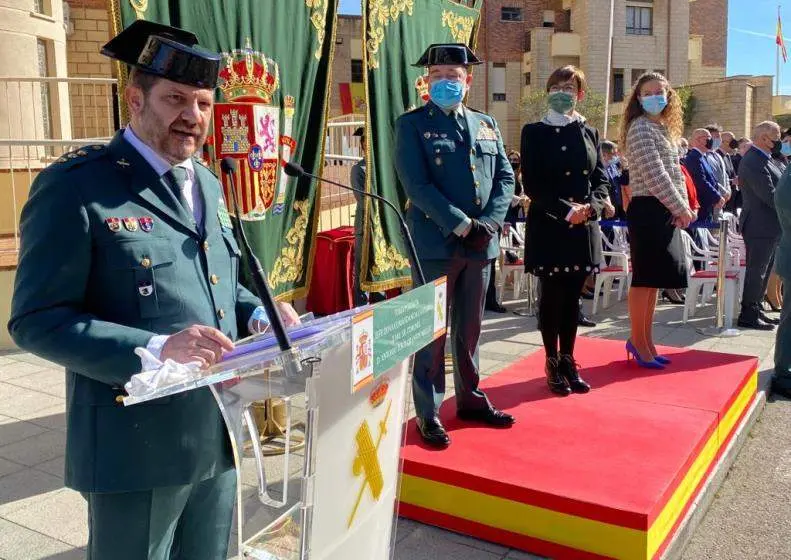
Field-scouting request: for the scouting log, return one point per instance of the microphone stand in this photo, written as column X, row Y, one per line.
column 291, row 363
column 421, row 279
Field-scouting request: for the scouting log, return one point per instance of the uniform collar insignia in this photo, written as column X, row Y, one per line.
column 123, row 163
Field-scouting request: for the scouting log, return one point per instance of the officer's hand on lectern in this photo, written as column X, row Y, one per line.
column 289, row 314
column 197, row 343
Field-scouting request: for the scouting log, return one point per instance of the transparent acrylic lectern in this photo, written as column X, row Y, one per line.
column 329, row 491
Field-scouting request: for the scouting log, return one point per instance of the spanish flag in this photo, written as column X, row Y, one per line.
column 779, row 39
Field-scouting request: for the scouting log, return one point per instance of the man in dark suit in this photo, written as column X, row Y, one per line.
column 758, row 178
column 453, row 166
column 130, row 246
column 704, row 175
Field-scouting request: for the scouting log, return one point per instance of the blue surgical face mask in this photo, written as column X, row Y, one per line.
column 447, row 94
column 716, row 143
column 785, row 149
column 654, row 104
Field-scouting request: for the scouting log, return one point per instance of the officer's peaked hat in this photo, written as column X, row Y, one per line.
column 448, row 53
column 165, row 51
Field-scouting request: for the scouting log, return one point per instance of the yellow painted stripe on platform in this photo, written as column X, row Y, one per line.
column 732, row 416
column 540, row 523
column 664, row 522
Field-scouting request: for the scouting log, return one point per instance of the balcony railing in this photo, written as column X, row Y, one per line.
column 35, row 107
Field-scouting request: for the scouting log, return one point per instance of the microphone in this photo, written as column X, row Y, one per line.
column 228, row 167
column 293, row 169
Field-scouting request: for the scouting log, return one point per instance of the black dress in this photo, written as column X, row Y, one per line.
column 657, row 249
column 562, row 162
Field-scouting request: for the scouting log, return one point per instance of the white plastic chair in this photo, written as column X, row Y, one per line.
column 511, row 241
column 697, row 281
column 617, row 269
column 710, row 247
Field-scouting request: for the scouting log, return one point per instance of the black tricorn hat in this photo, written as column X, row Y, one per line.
column 165, row 51
column 448, row 53
column 359, row 131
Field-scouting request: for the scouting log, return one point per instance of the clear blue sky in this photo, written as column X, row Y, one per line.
column 350, row 7
column 751, row 36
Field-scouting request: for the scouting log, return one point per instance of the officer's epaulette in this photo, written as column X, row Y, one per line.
column 415, row 110
column 73, row 159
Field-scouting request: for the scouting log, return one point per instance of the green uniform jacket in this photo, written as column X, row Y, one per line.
column 449, row 175
column 91, row 286
column 782, row 200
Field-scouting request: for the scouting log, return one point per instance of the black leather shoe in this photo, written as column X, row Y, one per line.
column 490, row 416
column 781, row 388
column 755, row 324
column 496, row 307
column 556, row 382
column 583, row 321
column 568, row 369
column 769, row 320
column 433, row 432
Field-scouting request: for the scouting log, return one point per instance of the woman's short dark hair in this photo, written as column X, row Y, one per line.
column 566, row 73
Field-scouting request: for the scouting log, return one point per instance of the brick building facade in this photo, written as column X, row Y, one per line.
column 522, row 41
column 89, row 28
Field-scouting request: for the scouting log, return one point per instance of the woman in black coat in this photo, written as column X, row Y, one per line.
column 565, row 180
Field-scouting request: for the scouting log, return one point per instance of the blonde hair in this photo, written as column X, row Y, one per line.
column 672, row 116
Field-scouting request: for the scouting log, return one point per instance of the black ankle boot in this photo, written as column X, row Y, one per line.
column 557, row 384
column 567, row 369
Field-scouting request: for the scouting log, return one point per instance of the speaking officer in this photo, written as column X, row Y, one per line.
column 454, row 169
column 130, row 246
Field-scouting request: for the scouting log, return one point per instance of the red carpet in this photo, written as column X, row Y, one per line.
column 603, row 475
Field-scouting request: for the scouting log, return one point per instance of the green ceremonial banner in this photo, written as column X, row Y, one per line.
column 271, row 107
column 396, row 33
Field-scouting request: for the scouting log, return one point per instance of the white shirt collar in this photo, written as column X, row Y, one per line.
column 454, row 112
column 554, row 118
column 156, row 161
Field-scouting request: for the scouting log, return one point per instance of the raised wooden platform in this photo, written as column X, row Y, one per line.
column 610, row 474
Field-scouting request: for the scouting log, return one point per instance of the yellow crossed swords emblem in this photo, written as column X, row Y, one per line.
column 366, row 463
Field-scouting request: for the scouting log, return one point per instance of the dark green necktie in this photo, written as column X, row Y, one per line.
column 177, row 177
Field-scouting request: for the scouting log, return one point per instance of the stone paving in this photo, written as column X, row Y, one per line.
column 40, row 519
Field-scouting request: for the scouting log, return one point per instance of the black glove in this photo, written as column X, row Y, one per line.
column 479, row 236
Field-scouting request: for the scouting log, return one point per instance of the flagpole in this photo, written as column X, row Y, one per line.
column 609, row 71
column 777, row 56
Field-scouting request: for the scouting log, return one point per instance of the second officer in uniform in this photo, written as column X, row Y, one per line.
column 453, row 166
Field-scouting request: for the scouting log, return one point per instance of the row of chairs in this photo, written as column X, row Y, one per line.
column 616, row 276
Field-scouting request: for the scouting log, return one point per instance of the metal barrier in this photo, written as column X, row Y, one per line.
column 342, row 151
column 45, row 108
column 21, row 160
column 24, row 160
column 719, row 328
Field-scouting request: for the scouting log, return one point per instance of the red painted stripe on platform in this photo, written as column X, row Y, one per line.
column 723, row 446
column 491, row 534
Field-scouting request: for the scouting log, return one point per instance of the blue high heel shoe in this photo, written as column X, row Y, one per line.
column 664, row 360
column 632, row 351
